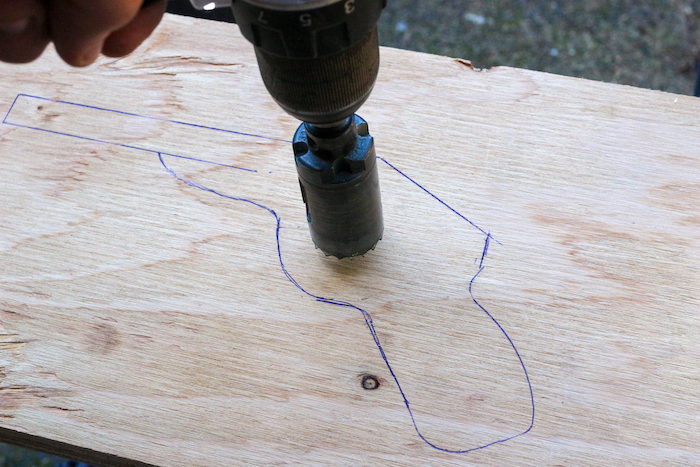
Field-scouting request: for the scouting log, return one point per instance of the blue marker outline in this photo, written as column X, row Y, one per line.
column 331, row 301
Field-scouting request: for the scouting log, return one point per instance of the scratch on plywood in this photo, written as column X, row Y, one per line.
column 172, row 64
column 105, row 338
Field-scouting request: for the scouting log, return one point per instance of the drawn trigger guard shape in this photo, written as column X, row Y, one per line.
column 367, row 317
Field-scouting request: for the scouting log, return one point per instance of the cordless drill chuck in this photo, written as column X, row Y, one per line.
column 319, row 60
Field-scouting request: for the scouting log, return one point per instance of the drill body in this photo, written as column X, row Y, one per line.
column 319, row 60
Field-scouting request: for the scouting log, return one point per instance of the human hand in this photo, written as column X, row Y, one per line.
column 80, row 29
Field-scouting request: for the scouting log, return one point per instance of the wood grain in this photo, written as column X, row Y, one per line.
column 147, row 316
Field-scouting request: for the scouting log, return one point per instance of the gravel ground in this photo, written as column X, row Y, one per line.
column 646, row 43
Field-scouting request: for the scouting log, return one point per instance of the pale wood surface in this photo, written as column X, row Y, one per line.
column 148, row 319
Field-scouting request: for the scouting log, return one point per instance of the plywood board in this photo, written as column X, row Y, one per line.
column 534, row 300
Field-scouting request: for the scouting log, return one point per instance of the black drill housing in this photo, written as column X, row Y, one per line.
column 319, row 64
column 319, row 60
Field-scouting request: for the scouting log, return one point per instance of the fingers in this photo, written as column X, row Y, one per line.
column 23, row 33
column 125, row 40
column 79, row 28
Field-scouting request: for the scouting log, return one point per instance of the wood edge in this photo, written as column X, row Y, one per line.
column 66, row 450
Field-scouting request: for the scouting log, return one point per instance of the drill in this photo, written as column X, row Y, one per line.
column 319, row 61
